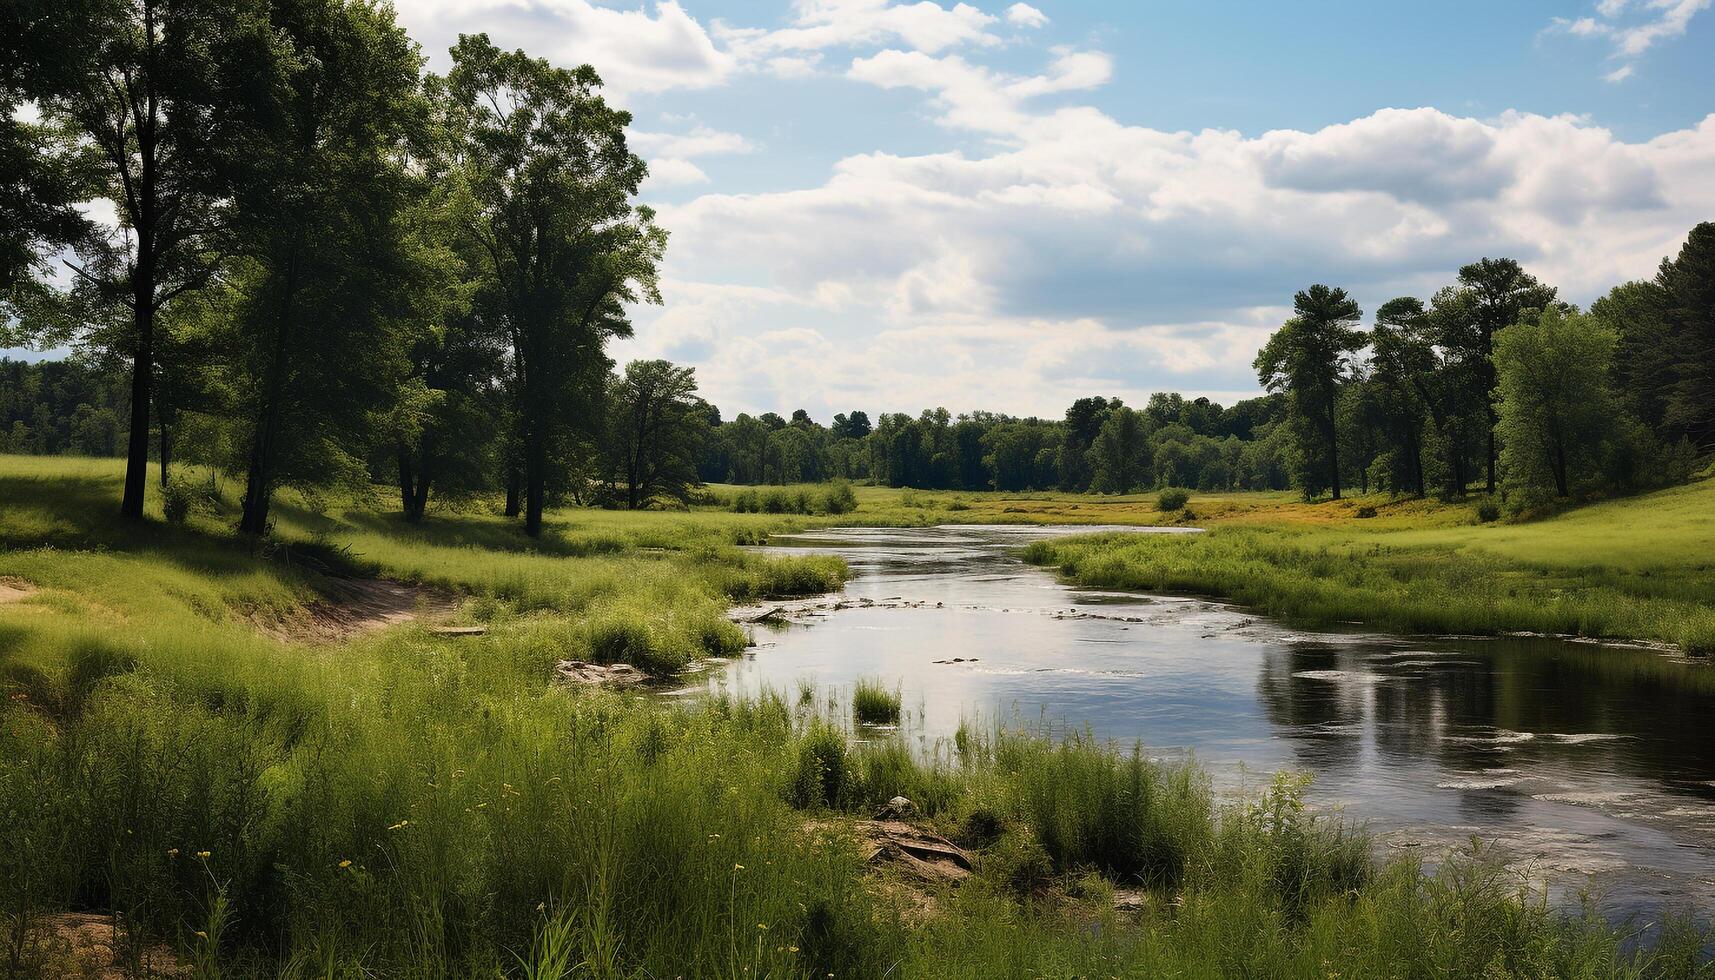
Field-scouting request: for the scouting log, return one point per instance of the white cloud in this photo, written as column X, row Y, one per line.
column 1662, row 20
column 673, row 172
column 1084, row 255
column 635, row 50
column 1024, row 15
column 700, row 141
column 820, row 24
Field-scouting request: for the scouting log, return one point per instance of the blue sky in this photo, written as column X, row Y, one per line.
column 892, row 206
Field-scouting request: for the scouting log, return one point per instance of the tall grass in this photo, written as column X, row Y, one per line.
column 406, row 804
column 1419, row 582
column 873, row 703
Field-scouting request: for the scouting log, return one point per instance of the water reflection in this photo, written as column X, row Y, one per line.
column 1594, row 765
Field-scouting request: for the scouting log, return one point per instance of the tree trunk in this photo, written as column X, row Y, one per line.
column 1491, row 449
column 142, row 376
column 1417, row 467
column 1333, row 450
column 257, row 491
column 535, row 477
column 166, row 448
column 513, row 490
column 407, row 482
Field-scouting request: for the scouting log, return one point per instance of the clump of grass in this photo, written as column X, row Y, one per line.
column 874, row 704
column 1171, row 499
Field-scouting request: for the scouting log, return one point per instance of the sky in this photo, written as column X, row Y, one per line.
column 890, row 206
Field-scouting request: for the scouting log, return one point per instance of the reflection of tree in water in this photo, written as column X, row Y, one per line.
column 1455, row 704
column 1317, row 713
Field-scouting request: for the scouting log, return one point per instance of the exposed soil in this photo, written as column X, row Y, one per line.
column 352, row 607
column 14, row 589
column 76, row 944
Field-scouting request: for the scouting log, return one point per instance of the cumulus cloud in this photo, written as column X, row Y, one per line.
column 647, row 49
column 1089, row 255
column 1631, row 37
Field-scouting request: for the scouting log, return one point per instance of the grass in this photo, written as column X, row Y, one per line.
column 408, row 804
column 873, row 703
column 1638, row 568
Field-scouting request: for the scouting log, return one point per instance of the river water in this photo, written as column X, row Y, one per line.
column 1588, row 767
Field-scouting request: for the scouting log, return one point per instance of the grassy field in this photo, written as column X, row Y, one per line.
column 179, row 750
column 1638, row 568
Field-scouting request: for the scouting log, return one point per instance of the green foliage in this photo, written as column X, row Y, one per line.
column 838, row 498
column 1537, row 576
column 1306, row 360
column 1171, row 499
column 1556, row 411
column 874, row 704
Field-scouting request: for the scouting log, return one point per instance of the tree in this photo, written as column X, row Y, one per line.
column 1119, row 454
column 551, row 181
column 1555, row 404
column 1084, row 418
column 1689, row 284
column 153, row 93
column 1399, row 361
column 1500, row 292
column 1306, row 359
column 853, row 426
column 325, row 271
column 656, row 425
column 42, row 175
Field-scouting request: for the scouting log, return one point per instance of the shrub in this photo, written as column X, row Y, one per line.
column 1488, row 510
column 776, row 501
column 873, row 704
column 747, row 502
column 838, row 498
column 1365, row 512
column 1018, row 862
column 178, row 498
column 1172, row 498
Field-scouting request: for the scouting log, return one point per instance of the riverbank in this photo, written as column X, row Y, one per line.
column 1638, row 568
column 273, row 771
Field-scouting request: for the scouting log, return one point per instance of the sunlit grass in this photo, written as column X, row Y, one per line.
column 410, row 804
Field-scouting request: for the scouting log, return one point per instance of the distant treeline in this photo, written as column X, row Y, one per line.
column 1100, row 444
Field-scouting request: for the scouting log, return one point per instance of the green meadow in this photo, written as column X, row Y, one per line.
column 195, row 746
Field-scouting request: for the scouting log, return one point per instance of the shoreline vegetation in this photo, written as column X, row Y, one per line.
column 416, row 800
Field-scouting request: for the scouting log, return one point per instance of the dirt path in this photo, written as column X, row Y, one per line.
column 352, row 607
column 14, row 590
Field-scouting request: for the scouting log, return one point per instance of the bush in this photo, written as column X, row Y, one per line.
column 1365, row 512
column 178, row 499
column 838, row 498
column 1018, row 862
column 873, row 704
column 776, row 501
column 747, row 502
column 1172, row 498
column 1488, row 510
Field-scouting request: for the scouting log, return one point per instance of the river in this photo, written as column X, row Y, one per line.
column 1586, row 766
